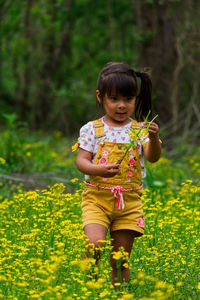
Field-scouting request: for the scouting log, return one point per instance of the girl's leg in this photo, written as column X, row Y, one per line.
column 96, row 233
column 121, row 238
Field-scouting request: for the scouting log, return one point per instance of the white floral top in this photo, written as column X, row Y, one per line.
column 89, row 141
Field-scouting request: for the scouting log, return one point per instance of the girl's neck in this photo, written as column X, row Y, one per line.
column 108, row 121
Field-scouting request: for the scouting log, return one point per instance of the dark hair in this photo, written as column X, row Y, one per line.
column 119, row 78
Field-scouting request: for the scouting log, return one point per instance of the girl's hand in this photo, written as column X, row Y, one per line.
column 153, row 130
column 152, row 150
column 85, row 165
column 108, row 170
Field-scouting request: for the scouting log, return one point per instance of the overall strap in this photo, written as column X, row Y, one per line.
column 99, row 129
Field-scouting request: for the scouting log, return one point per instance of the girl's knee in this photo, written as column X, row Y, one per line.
column 96, row 249
column 97, row 244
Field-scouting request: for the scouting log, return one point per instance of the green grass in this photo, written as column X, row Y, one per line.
column 40, row 156
column 42, row 242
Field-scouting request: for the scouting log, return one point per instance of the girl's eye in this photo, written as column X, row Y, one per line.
column 129, row 98
column 113, row 98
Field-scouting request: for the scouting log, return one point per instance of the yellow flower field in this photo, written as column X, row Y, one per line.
column 42, row 244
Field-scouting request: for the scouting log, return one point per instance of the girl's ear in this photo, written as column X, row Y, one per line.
column 98, row 96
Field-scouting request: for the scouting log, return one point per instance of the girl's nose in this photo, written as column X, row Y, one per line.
column 121, row 104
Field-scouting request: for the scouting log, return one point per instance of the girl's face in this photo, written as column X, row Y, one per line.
column 118, row 108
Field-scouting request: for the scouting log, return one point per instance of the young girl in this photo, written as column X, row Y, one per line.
column 112, row 198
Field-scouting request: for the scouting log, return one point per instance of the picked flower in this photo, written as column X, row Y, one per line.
column 137, row 133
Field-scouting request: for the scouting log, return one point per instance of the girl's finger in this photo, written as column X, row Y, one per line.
column 153, row 131
column 153, row 125
column 113, row 166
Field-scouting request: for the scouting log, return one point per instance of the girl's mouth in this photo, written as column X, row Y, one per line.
column 121, row 113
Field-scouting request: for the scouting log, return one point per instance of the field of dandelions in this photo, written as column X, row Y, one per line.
column 42, row 241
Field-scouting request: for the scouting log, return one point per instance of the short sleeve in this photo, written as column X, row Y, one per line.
column 87, row 137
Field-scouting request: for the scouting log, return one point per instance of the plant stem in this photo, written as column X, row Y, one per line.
column 125, row 153
column 151, row 122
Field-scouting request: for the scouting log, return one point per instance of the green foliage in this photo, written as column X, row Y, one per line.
column 24, row 151
column 51, row 54
column 52, row 51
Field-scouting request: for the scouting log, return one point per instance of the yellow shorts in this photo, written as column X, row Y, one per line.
column 99, row 207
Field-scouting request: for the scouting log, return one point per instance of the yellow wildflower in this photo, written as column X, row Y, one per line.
column 75, row 147
column 74, row 180
column 127, row 297
column 87, row 263
column 93, row 285
column 141, row 275
column 160, row 284
column 104, row 293
column 180, row 283
column 117, row 284
column 125, row 265
column 117, row 255
column 2, row 161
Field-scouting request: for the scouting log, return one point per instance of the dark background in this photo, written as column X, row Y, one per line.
column 52, row 51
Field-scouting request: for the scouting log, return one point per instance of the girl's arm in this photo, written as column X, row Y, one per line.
column 152, row 150
column 85, row 165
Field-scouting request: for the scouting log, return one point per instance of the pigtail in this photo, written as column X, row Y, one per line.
column 143, row 101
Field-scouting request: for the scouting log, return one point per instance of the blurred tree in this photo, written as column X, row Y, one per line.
column 51, row 53
column 185, row 85
column 170, row 47
column 157, row 50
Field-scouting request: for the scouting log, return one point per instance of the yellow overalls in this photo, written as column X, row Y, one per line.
column 114, row 201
